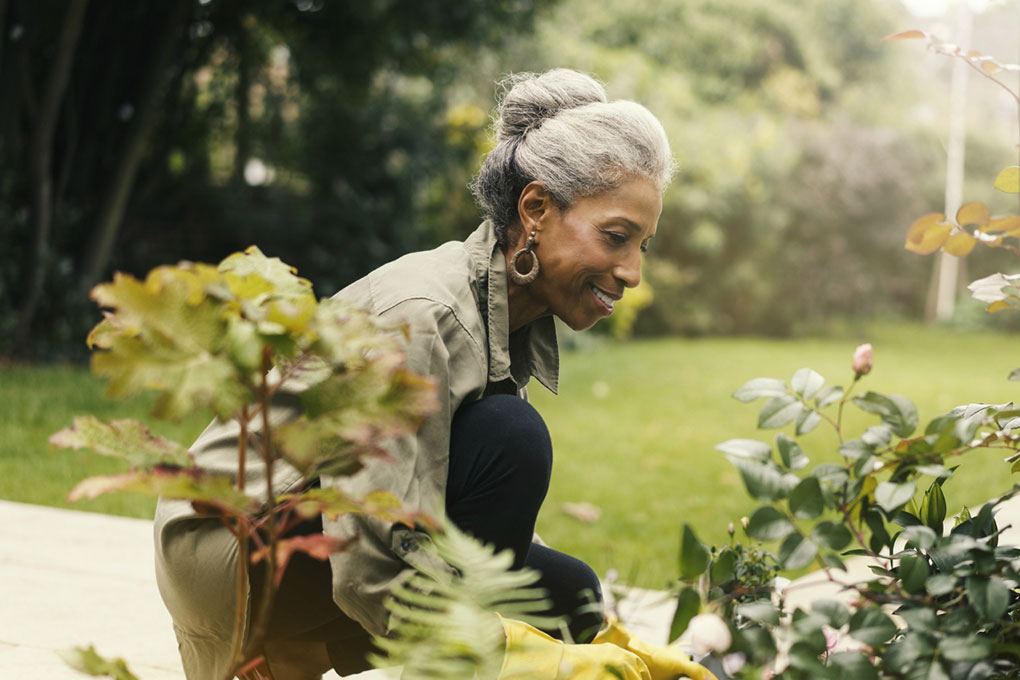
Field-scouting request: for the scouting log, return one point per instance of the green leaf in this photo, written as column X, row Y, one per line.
column 989, row 596
column 806, row 500
column 796, row 551
column 270, row 273
column 89, row 662
column 126, row 439
column 806, row 383
column 792, row 455
column 760, row 387
column 745, row 448
column 918, row 536
column 807, row 421
column 853, row 665
column 968, row 648
column 913, row 571
column 940, row 584
column 890, row 496
column 933, row 508
column 693, row 555
column 213, row 493
column 871, row 626
column 833, row 611
column 828, row 396
column 832, row 535
column 768, row 524
column 687, row 606
column 765, row 481
column 761, row 611
column 895, row 410
column 724, row 569
column 920, row 619
column 778, row 411
column 855, row 448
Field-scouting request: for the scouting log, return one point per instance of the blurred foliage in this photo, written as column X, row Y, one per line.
column 340, row 135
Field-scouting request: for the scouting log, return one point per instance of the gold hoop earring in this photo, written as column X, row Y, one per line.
column 526, row 278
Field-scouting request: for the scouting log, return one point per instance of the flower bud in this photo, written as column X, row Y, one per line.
column 730, row 529
column 744, row 521
column 709, row 633
column 863, row 360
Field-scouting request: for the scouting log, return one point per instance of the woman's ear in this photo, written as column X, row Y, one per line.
column 534, row 207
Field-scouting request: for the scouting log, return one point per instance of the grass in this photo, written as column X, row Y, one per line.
column 633, row 428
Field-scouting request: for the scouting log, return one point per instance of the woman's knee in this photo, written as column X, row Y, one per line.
column 512, row 426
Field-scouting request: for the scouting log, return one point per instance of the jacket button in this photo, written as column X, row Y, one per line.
column 407, row 545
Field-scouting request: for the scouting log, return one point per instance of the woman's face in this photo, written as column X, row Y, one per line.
column 592, row 251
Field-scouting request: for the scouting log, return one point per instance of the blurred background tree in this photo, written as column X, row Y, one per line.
column 338, row 135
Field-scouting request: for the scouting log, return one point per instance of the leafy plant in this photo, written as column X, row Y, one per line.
column 952, row 588
column 231, row 338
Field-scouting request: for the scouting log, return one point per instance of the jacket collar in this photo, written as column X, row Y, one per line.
column 539, row 352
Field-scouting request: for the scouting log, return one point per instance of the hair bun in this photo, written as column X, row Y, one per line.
column 531, row 98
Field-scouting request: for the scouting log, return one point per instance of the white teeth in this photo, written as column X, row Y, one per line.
column 608, row 301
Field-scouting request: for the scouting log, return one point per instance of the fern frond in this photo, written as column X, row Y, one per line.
column 444, row 625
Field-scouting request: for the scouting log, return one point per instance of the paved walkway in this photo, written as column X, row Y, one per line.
column 72, row 579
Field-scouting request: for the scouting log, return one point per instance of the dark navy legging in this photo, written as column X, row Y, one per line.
column 500, row 462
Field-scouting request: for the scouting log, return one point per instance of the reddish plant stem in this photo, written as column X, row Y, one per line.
column 241, row 592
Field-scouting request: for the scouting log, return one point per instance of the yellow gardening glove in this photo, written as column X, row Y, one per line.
column 533, row 655
column 663, row 662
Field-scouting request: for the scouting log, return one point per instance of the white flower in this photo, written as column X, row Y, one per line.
column 709, row 633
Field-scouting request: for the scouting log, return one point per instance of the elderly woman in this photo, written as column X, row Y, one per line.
column 572, row 196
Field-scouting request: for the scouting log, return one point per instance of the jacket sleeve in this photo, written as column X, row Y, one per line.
column 415, row 472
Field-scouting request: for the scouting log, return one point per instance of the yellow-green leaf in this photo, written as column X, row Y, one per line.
column 1009, row 180
column 998, row 306
column 89, row 662
column 216, row 494
column 127, row 439
column 281, row 277
column 928, row 233
column 974, row 212
column 959, row 244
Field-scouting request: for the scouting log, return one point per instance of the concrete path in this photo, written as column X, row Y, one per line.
column 72, row 579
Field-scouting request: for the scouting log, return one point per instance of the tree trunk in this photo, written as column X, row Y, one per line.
column 40, row 163
column 115, row 201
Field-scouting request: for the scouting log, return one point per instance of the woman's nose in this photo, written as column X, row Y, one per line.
column 629, row 270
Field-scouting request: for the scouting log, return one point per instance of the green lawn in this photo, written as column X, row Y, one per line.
column 634, row 428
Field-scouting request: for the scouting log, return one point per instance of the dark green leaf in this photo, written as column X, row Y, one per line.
column 989, row 596
column 890, row 496
column 762, row 611
column 806, row 382
column 834, row 612
column 913, row 572
column 940, row 584
column 778, row 411
column 792, row 455
column 871, row 626
column 907, row 652
column 895, row 410
column 796, row 551
column 855, row 448
column 765, row 481
column 804, row 657
column 877, row 436
column 832, row 535
column 853, row 665
column 919, row 619
column 832, row 561
column 768, row 524
column 749, row 449
column 933, row 508
column 806, row 499
column 760, row 387
column 687, row 605
column 724, row 567
column 693, row 555
column 968, row 648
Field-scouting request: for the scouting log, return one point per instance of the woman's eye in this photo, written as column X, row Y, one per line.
column 616, row 237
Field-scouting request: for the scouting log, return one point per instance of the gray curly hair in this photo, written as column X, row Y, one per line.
column 557, row 128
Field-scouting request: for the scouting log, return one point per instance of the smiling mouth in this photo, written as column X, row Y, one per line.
column 604, row 298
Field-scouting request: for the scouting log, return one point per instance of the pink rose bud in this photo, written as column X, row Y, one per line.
column 709, row 633
column 863, row 359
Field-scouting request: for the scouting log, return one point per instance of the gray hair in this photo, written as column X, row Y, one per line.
column 557, row 128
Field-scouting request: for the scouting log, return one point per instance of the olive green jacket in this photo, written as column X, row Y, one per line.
column 454, row 299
